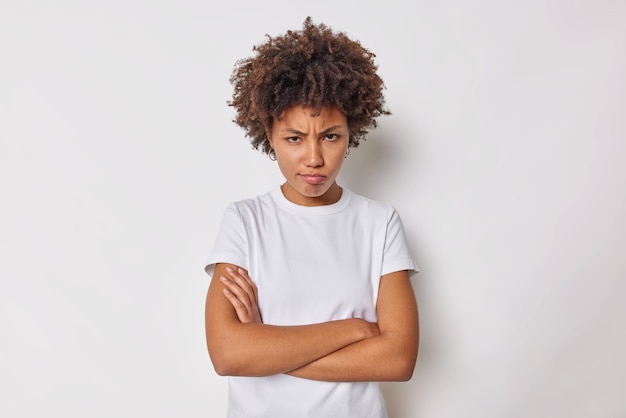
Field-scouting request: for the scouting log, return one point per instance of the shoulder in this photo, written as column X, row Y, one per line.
column 371, row 206
column 253, row 206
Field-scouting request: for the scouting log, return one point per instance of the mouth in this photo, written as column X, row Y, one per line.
column 313, row 178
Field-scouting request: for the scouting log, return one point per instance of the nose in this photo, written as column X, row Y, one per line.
column 314, row 156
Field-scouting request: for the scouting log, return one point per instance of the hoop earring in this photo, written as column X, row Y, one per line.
column 272, row 154
column 347, row 153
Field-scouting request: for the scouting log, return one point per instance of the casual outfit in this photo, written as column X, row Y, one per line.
column 311, row 264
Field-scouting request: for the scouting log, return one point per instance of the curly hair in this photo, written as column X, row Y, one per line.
column 314, row 67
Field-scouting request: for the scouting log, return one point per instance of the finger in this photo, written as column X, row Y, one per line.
column 245, row 311
column 240, row 309
column 246, row 290
column 244, row 273
column 244, row 282
column 241, row 276
column 237, row 292
column 241, row 288
column 255, row 314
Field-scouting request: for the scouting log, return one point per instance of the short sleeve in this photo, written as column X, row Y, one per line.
column 231, row 242
column 396, row 254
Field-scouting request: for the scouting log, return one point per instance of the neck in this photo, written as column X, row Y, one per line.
column 331, row 196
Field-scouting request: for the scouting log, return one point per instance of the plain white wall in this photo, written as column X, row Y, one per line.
column 504, row 156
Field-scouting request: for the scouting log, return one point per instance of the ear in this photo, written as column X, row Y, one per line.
column 268, row 135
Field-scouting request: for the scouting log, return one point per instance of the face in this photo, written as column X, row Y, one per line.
column 310, row 151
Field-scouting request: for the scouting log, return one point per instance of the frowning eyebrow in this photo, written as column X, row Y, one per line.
column 324, row 132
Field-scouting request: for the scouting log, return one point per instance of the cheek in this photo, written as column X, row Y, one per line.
column 338, row 159
column 285, row 156
column 285, row 165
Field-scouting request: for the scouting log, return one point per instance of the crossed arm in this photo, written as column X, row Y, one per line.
column 352, row 349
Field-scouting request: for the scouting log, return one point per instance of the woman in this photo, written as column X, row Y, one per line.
column 310, row 302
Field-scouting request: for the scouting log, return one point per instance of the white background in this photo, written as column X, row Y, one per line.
column 504, row 155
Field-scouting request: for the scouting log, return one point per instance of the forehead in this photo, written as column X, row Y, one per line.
column 297, row 115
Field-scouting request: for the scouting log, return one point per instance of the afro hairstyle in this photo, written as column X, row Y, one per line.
column 315, row 68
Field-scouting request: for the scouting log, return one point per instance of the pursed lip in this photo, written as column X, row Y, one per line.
column 313, row 178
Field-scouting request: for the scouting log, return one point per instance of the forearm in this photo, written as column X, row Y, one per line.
column 344, row 350
column 380, row 358
column 261, row 350
column 391, row 355
column 250, row 348
column 243, row 348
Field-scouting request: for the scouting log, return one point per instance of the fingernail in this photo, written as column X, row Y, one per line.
column 229, row 269
column 241, row 271
column 224, row 279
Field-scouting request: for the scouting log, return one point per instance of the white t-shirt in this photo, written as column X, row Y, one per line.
column 311, row 264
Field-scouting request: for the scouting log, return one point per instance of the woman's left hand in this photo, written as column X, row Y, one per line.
column 242, row 293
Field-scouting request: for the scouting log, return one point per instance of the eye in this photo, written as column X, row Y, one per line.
column 331, row 137
column 292, row 139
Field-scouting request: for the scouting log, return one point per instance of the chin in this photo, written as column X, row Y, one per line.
column 313, row 191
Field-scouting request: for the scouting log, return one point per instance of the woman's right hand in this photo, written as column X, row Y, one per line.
column 370, row 329
column 242, row 293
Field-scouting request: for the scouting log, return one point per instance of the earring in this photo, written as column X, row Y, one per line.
column 347, row 153
column 272, row 154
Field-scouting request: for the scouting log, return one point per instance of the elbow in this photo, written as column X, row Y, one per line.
column 404, row 370
column 406, row 361
column 229, row 356
column 223, row 366
column 222, row 361
column 222, row 369
column 225, row 363
column 406, row 374
column 220, row 366
column 403, row 366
